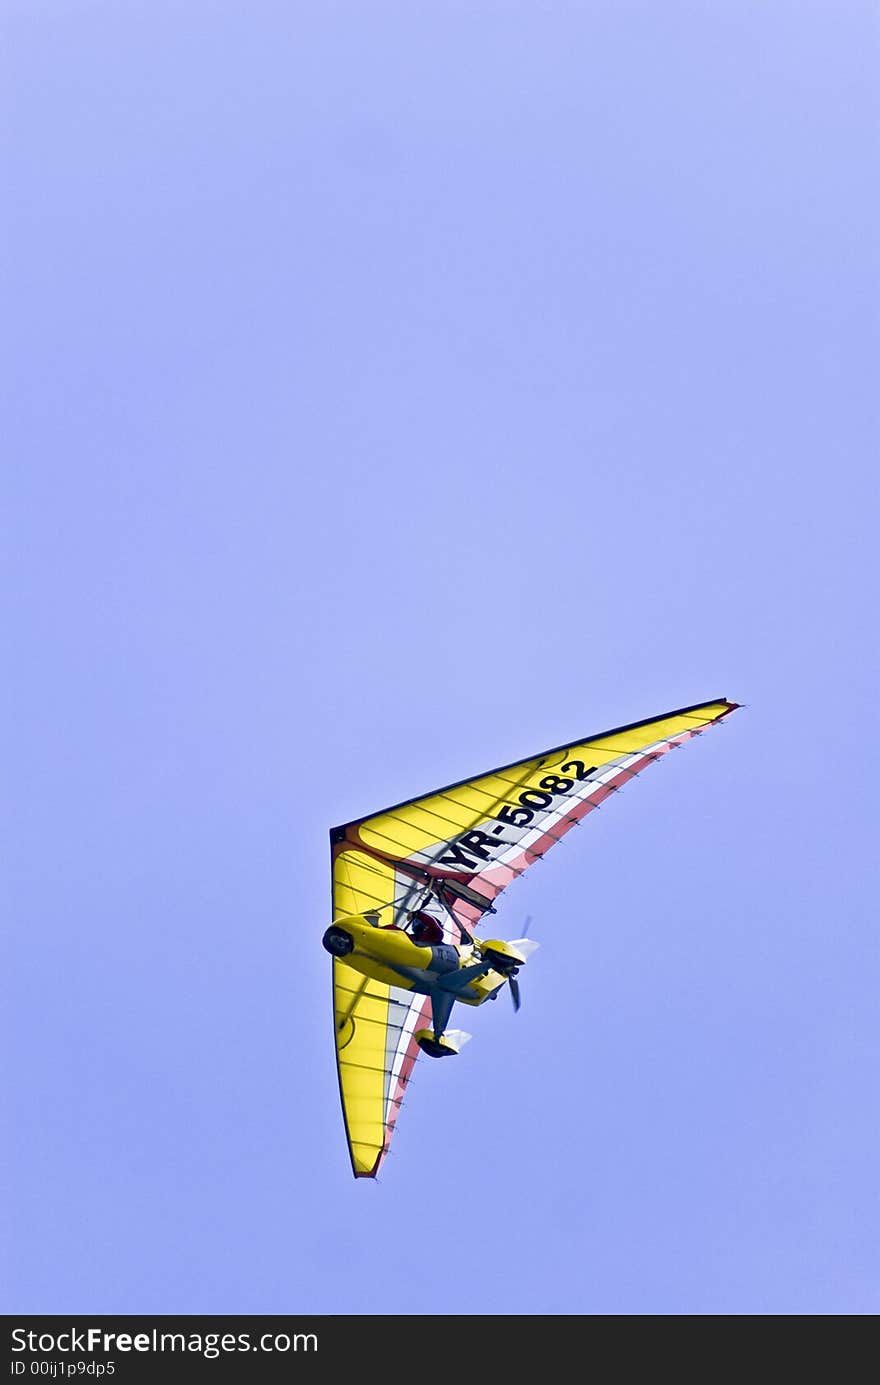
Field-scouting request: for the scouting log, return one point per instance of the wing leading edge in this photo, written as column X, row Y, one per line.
column 452, row 852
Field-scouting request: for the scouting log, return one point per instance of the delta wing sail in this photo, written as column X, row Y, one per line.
column 450, row 853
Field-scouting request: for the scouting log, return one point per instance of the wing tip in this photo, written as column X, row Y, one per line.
column 369, row 1173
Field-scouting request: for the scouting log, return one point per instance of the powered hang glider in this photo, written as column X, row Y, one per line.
column 411, row 885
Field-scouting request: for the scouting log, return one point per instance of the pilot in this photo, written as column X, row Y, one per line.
column 424, row 929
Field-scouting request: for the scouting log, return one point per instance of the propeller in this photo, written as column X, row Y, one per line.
column 514, row 993
column 527, row 947
column 513, row 983
column 509, row 967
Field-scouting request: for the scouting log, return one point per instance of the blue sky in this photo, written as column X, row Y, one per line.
column 393, row 391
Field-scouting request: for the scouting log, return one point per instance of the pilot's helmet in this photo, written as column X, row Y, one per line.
column 425, row 929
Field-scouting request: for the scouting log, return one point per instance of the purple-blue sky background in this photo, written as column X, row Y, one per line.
column 393, row 390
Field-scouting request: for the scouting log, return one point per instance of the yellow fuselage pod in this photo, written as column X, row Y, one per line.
column 390, row 955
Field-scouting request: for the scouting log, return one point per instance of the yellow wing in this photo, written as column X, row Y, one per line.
column 452, row 852
column 374, row 1022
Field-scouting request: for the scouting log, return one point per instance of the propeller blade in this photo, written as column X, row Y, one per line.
column 527, row 946
column 514, row 993
column 525, row 931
